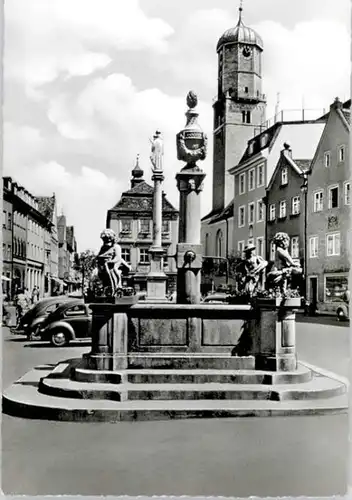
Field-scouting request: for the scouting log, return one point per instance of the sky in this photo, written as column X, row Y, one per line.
column 87, row 83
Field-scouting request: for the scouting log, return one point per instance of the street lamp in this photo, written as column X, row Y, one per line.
column 304, row 190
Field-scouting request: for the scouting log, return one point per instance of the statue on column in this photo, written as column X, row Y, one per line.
column 157, row 152
column 110, row 264
column 284, row 267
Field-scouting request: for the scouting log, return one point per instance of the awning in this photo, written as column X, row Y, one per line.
column 5, row 278
column 57, row 280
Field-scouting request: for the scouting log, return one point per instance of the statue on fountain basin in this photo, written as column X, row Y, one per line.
column 251, row 271
column 279, row 278
column 110, row 264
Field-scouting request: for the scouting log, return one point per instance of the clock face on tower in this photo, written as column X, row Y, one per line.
column 246, row 51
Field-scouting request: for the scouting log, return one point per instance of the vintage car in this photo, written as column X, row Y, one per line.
column 70, row 321
column 217, row 298
column 32, row 320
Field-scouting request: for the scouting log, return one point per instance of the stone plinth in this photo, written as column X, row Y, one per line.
column 274, row 338
column 156, row 279
column 110, row 335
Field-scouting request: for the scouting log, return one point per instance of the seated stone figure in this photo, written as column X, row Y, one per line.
column 251, row 271
column 110, row 263
column 284, row 267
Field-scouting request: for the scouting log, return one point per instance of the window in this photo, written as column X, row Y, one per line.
column 295, row 247
column 242, row 189
column 165, row 226
column 126, row 254
column 272, row 212
column 333, row 244
column 206, row 250
column 219, row 243
column 284, row 176
column 77, row 310
column 241, row 216
column 246, row 90
column 335, row 287
column 260, row 246
column 248, row 117
column 263, row 140
column 251, row 180
column 4, row 251
column 143, row 256
column 272, row 250
column 243, row 117
column 240, row 247
column 251, row 213
column 341, row 154
column 333, row 196
column 4, row 217
column 282, row 210
column 260, row 175
column 260, row 211
column 52, row 307
column 346, row 193
column 126, row 226
column 313, row 247
column 295, row 205
column 144, row 225
column 318, row 201
column 327, row 159
column 251, row 148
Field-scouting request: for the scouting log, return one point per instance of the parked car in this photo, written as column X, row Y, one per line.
column 216, row 298
column 343, row 311
column 30, row 323
column 70, row 321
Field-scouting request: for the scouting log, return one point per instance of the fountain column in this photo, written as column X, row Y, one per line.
column 156, row 279
column 191, row 147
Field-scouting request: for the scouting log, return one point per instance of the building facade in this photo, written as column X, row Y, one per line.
column 239, row 111
column 285, row 206
column 253, row 174
column 27, row 234
column 47, row 206
column 328, row 226
column 7, row 236
column 132, row 220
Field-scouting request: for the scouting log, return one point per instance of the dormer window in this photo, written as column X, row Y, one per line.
column 251, row 148
column 284, row 176
column 246, row 90
column 263, row 140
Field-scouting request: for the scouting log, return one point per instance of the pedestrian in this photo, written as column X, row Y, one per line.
column 35, row 295
column 22, row 305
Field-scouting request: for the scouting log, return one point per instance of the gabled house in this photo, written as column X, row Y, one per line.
column 253, row 174
column 132, row 220
column 329, row 199
column 285, row 204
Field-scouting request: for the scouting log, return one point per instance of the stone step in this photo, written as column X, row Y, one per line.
column 191, row 361
column 318, row 387
column 195, row 376
column 24, row 400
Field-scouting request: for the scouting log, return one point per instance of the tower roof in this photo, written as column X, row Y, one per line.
column 240, row 34
column 137, row 172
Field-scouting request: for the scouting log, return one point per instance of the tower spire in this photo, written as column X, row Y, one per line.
column 240, row 9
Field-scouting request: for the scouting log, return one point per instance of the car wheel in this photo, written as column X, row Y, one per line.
column 59, row 338
column 340, row 315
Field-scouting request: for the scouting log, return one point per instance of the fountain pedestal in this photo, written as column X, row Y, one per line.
column 274, row 343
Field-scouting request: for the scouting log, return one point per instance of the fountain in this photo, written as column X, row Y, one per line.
column 160, row 360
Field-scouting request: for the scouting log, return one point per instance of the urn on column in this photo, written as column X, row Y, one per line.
column 191, row 142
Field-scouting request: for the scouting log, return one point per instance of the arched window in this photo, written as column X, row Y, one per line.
column 206, row 245
column 219, row 243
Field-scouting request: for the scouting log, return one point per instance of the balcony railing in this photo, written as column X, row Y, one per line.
column 291, row 115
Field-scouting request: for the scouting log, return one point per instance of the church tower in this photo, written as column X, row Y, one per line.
column 240, row 106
